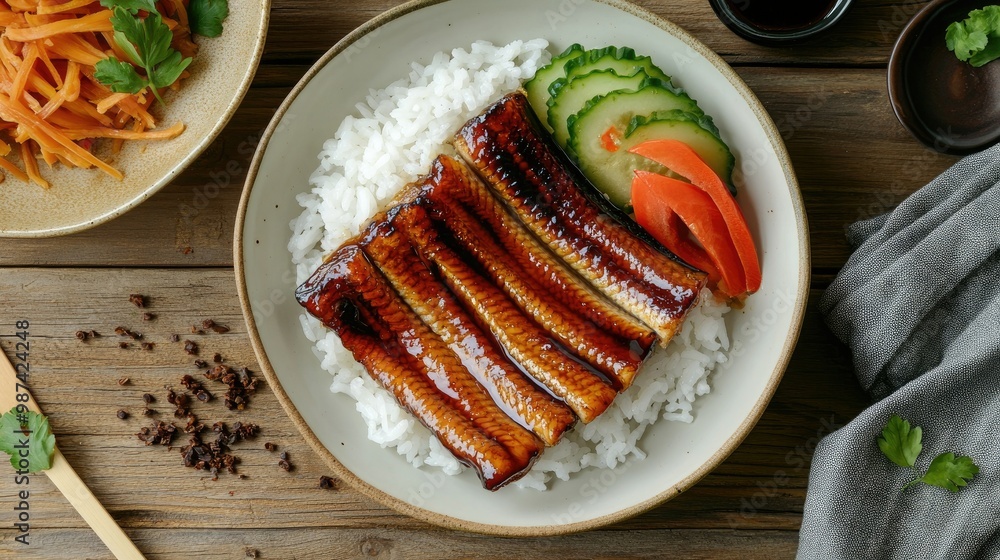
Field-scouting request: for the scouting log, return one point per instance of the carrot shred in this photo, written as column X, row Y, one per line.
column 100, row 21
column 50, row 102
column 31, row 166
column 9, row 167
column 160, row 134
column 72, row 5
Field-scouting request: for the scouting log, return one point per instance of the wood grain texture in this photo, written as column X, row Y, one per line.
column 149, row 492
column 853, row 161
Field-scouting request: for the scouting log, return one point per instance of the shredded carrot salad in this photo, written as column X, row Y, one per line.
column 51, row 104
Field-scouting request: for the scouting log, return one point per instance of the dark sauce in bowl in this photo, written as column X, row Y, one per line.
column 782, row 15
column 775, row 22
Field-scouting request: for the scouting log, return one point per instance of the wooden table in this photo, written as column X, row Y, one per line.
column 853, row 161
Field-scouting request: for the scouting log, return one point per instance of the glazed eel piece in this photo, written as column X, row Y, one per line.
column 351, row 297
column 580, row 386
column 556, row 298
column 390, row 250
column 508, row 148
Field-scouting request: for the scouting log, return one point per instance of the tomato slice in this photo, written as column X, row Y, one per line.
column 671, row 231
column 655, row 197
column 681, row 159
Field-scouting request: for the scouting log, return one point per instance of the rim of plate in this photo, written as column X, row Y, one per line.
column 542, row 530
column 200, row 147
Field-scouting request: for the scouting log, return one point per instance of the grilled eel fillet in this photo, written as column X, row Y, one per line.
column 416, row 366
column 508, row 148
column 390, row 250
column 582, row 321
column 527, row 342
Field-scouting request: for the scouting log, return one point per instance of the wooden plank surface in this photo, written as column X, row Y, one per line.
column 853, row 161
column 147, row 489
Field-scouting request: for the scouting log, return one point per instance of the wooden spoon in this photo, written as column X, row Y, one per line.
column 65, row 478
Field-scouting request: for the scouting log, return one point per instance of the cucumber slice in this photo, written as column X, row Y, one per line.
column 623, row 62
column 611, row 172
column 537, row 88
column 569, row 95
column 699, row 132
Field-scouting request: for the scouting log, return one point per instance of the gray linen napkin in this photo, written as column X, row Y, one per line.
column 918, row 303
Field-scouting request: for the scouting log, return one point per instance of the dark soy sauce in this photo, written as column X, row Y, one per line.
column 781, row 15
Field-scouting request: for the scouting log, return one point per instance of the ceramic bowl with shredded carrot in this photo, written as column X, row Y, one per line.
column 78, row 149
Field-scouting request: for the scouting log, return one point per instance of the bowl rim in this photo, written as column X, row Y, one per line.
column 798, row 309
column 775, row 37
column 899, row 97
column 199, row 148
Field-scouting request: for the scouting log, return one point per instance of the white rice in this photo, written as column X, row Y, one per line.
column 391, row 141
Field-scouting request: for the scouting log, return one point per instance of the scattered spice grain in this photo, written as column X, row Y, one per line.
column 122, row 331
column 160, row 433
column 327, row 483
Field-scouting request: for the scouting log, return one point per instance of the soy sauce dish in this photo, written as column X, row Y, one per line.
column 947, row 104
column 780, row 22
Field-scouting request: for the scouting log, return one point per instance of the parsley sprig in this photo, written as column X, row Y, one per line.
column 146, row 41
column 976, row 40
column 27, row 438
column 205, row 16
column 901, row 443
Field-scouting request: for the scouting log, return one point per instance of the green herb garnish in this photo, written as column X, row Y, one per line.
column 27, row 438
column 147, row 42
column 977, row 39
column 205, row 16
column 901, row 443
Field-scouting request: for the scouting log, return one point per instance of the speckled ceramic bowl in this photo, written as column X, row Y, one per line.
column 83, row 198
column 948, row 105
column 765, row 330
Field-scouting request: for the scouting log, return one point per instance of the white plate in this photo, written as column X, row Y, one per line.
column 679, row 454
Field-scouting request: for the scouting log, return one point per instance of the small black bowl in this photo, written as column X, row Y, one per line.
column 945, row 103
column 778, row 32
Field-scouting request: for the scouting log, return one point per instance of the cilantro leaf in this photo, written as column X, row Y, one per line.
column 949, row 472
column 147, row 42
column 170, row 69
column 29, row 433
column 120, row 76
column 127, row 29
column 155, row 40
column 133, row 6
column 976, row 40
column 901, row 443
column 205, row 16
